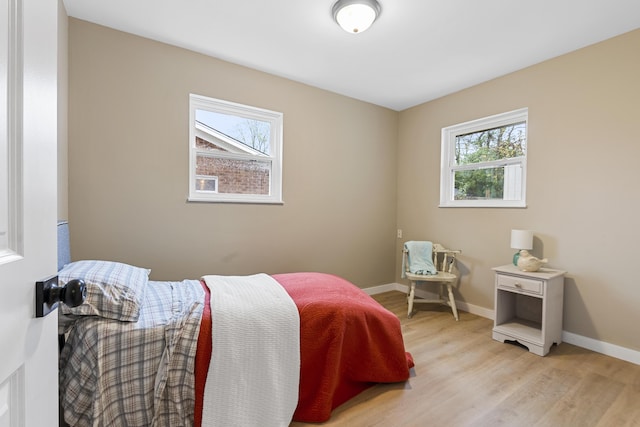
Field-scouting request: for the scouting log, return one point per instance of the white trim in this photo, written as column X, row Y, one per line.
column 475, row 309
column 469, row 308
column 11, row 77
column 380, row 289
column 612, row 350
column 602, row 347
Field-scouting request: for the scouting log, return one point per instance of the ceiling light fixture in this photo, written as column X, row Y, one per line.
column 355, row 16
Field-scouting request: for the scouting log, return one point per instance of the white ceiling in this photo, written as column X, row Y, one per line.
column 416, row 51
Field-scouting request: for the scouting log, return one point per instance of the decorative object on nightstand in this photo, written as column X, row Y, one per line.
column 523, row 241
column 528, row 307
column 527, row 262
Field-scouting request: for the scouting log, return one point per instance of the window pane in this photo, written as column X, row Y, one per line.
column 502, row 183
column 252, row 133
column 492, row 144
column 208, row 184
column 236, row 176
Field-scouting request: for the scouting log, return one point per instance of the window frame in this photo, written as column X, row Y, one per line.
column 448, row 166
column 275, row 120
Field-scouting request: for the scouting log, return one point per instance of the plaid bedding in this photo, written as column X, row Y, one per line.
column 140, row 373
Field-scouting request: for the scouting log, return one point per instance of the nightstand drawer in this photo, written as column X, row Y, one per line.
column 520, row 284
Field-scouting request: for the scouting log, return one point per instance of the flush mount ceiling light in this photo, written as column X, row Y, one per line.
column 355, row 16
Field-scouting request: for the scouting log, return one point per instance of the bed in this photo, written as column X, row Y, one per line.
column 201, row 352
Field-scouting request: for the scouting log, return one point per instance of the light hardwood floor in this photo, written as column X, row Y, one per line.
column 465, row 378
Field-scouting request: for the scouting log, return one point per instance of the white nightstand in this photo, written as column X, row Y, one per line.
column 528, row 307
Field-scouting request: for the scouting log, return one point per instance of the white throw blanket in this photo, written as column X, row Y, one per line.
column 254, row 373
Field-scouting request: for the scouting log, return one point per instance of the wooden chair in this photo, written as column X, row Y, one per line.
column 444, row 261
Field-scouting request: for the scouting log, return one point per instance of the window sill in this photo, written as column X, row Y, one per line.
column 235, row 200
column 477, row 204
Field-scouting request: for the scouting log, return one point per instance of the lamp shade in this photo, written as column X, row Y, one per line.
column 355, row 16
column 522, row 239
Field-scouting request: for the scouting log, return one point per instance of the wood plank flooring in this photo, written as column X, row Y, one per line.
column 465, row 378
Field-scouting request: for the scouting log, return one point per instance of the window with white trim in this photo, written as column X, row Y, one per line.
column 235, row 152
column 484, row 162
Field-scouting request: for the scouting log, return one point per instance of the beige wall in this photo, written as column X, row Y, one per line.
column 128, row 168
column 129, row 97
column 583, row 171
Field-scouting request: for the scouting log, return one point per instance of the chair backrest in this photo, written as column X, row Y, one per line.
column 443, row 259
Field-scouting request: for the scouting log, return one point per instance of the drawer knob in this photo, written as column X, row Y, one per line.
column 518, row 285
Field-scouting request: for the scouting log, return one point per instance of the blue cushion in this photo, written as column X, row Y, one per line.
column 64, row 253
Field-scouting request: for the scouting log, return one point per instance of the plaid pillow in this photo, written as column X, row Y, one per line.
column 114, row 290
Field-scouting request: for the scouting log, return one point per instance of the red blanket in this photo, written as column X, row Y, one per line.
column 348, row 342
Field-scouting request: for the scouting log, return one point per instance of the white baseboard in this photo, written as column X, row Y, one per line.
column 385, row 288
column 469, row 308
column 605, row 348
column 602, row 347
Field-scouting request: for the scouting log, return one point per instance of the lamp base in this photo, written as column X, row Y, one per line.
column 515, row 258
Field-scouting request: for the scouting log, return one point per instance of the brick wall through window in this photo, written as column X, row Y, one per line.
column 234, row 176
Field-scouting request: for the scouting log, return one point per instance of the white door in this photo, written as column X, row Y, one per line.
column 28, row 206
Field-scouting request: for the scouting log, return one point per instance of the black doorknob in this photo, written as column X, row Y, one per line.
column 71, row 294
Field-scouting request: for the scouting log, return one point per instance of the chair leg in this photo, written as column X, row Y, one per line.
column 412, row 294
column 452, row 302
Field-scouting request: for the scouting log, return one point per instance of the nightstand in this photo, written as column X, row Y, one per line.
column 528, row 307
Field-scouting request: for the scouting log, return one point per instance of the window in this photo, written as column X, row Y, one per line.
column 484, row 162
column 235, row 152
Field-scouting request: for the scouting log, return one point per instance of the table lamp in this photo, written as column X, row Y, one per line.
column 521, row 240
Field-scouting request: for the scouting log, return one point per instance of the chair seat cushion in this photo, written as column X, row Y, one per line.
column 442, row 276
